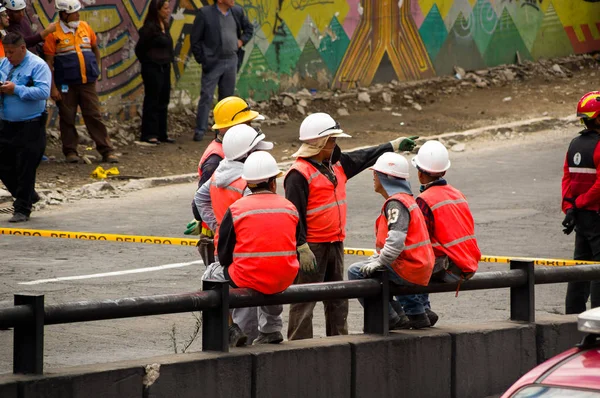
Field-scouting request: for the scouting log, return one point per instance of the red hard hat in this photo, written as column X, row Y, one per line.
column 589, row 105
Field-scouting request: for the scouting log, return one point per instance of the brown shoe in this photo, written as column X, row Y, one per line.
column 110, row 158
column 72, row 158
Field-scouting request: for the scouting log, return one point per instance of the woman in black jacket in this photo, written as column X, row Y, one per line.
column 154, row 50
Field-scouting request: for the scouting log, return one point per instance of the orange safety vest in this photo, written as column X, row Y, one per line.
column 2, row 54
column 214, row 148
column 264, row 257
column 454, row 229
column 415, row 263
column 222, row 198
column 74, row 60
column 326, row 208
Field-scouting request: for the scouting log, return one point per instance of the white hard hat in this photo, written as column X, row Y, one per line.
column 2, row 8
column 392, row 164
column 432, row 157
column 259, row 167
column 68, row 6
column 319, row 125
column 241, row 139
column 15, row 5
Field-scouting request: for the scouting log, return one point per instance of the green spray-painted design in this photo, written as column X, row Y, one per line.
column 483, row 21
column 551, row 39
column 433, row 31
column 310, row 64
column 257, row 81
column 283, row 53
column 334, row 45
column 505, row 43
column 458, row 49
column 527, row 20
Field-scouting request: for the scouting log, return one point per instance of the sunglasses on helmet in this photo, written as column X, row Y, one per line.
column 336, row 127
column 246, row 109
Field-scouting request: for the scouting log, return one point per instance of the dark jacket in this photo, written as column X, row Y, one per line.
column 206, row 34
column 154, row 45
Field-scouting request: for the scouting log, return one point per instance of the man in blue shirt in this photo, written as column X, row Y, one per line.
column 25, row 80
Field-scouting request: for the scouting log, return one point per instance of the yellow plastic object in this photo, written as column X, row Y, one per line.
column 100, row 173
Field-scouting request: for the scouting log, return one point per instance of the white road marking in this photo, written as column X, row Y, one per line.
column 115, row 273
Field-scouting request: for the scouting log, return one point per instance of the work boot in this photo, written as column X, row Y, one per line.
column 72, row 158
column 19, row 217
column 419, row 321
column 433, row 317
column 198, row 136
column 110, row 158
column 268, row 338
column 400, row 323
column 237, row 338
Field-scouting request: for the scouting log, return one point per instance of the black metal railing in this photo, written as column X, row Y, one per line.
column 29, row 315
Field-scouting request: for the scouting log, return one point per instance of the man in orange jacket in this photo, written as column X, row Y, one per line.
column 402, row 243
column 265, row 261
column 448, row 218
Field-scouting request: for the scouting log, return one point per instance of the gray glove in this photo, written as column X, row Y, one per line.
column 370, row 267
column 308, row 261
column 404, row 144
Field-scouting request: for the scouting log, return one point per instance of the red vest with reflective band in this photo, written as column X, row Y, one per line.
column 326, row 208
column 264, row 257
column 74, row 60
column 214, row 148
column 582, row 169
column 454, row 229
column 222, row 198
column 415, row 263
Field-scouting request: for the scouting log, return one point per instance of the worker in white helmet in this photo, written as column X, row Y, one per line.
column 448, row 218
column 402, row 242
column 316, row 184
column 19, row 23
column 265, row 261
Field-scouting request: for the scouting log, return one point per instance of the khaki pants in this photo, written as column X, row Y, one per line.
column 330, row 259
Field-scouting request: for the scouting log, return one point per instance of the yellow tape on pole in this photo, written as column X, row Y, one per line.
column 162, row 240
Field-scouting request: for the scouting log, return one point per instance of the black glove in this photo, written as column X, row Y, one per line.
column 569, row 221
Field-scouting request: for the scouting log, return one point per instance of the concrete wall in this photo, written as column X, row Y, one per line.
column 467, row 361
column 341, row 43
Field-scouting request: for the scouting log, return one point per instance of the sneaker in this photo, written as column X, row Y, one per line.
column 400, row 323
column 433, row 317
column 268, row 338
column 110, row 158
column 19, row 217
column 237, row 338
column 198, row 136
column 72, row 158
column 419, row 321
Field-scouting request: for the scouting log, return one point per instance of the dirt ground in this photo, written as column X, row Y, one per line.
column 448, row 105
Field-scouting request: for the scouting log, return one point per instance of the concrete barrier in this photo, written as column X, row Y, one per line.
column 8, row 389
column 414, row 364
column 488, row 358
column 212, row 375
column 555, row 334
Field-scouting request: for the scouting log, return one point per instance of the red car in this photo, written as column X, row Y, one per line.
column 574, row 373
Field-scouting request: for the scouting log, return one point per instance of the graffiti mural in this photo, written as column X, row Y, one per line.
column 320, row 44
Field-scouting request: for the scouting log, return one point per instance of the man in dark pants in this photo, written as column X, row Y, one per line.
column 581, row 200
column 316, row 185
column 218, row 34
column 26, row 86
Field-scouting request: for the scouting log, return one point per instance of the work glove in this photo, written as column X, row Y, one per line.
column 371, row 266
column 404, row 144
column 308, row 261
column 569, row 221
column 193, row 228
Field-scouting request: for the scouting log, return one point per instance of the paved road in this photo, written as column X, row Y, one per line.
column 514, row 192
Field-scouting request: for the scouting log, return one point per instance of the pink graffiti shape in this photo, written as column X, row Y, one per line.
column 352, row 18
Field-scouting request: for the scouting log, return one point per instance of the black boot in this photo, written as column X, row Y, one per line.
column 419, row 321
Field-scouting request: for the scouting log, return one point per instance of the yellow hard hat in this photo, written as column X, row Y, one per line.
column 231, row 111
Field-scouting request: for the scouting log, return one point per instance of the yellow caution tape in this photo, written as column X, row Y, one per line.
column 162, row 240
column 100, row 173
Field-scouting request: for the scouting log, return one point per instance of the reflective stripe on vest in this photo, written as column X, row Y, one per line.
column 454, row 228
column 214, row 148
column 222, row 198
column 581, row 165
column 326, row 208
column 415, row 263
column 264, row 257
column 74, row 61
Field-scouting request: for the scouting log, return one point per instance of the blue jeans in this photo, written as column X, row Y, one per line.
column 222, row 75
column 412, row 303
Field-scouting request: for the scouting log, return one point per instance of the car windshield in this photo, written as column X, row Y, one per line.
column 554, row 392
